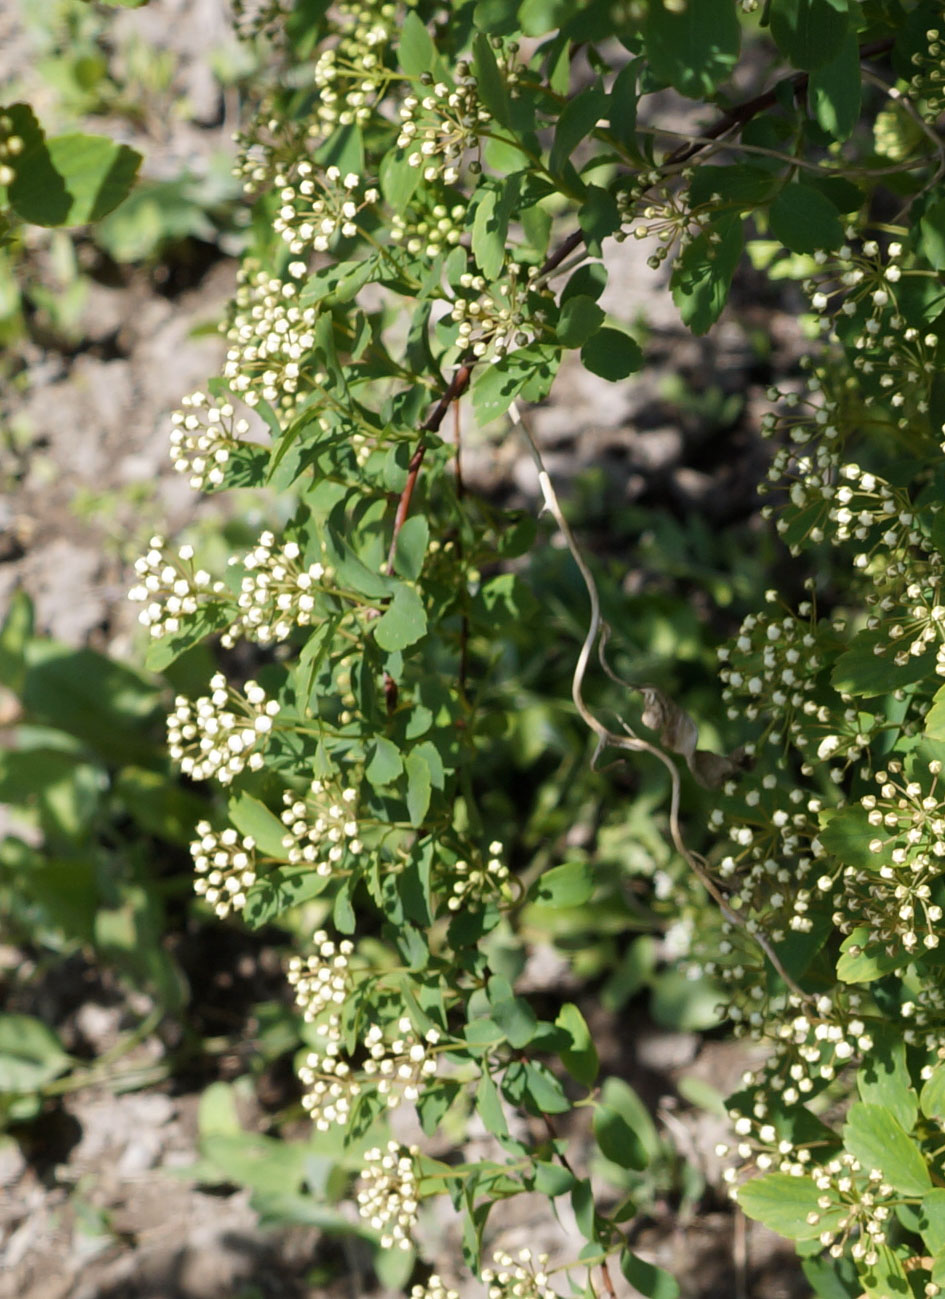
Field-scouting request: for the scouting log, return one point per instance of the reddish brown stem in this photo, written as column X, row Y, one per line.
column 460, row 496
column 741, row 114
column 733, row 119
column 608, row 1284
column 458, row 385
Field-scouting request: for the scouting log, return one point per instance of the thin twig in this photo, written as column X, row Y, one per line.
column 460, row 497
column 741, row 114
column 633, row 743
column 457, row 386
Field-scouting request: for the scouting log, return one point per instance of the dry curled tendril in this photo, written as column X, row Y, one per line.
column 678, row 733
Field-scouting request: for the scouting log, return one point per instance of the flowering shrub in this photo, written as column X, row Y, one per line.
column 437, row 189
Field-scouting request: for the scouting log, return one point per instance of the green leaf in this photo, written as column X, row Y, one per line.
column 490, row 82
column 932, row 1097
column 342, row 911
column 569, row 885
column 259, row 1162
column 279, row 890
column 934, row 725
column 582, row 1202
column 580, row 1058
column 832, row 1278
column 31, row 1054
column 536, row 17
column 588, row 280
column 490, row 231
column 552, row 1180
column 619, row 1096
column 617, row 1140
column 933, row 1211
column 694, row 46
column 216, row 1112
column 528, row 371
column 253, row 818
column 580, row 318
column 835, row 91
column 883, row 1078
column 417, row 767
column 416, row 52
column 847, row 835
column 873, row 1134
column 647, row 1278
column 489, row 1106
column 411, row 547
column 788, row 1205
column 16, row 632
column 738, row 184
column 532, row 1085
column 159, row 806
column 103, row 703
column 886, row 1278
column 624, row 97
column 862, row 961
column 810, row 32
column 386, row 763
column 404, row 621
column 861, row 672
column 687, row 1005
column 578, row 118
column 483, row 1032
column 398, row 179
column 162, row 652
column 69, row 180
column 611, row 354
column 516, row 1019
column 932, row 234
column 598, row 217
column 702, row 274
column 804, row 220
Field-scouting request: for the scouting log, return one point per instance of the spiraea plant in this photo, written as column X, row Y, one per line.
column 437, row 190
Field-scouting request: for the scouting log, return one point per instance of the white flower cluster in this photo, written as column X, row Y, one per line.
column 350, row 74
column 894, row 898
column 220, row 734
column 389, row 1197
column 905, row 573
column 397, row 1071
column 321, row 980
column 314, row 208
column 496, row 318
column 473, row 882
column 321, row 828
column 435, row 1288
column 431, row 233
column 331, row 1086
column 927, row 87
column 652, row 209
column 863, row 285
column 276, row 593
column 770, row 671
column 521, row 1277
column 202, row 438
column 270, row 339
column 818, row 1041
column 171, row 588
column 440, row 123
column 225, row 863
